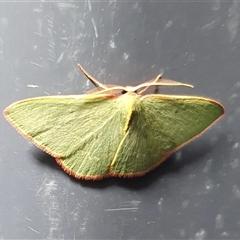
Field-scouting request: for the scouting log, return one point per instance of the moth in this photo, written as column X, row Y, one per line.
column 113, row 130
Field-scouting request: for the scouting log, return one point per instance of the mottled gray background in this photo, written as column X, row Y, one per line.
column 195, row 194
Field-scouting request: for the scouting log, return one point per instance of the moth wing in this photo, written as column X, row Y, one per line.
column 81, row 132
column 160, row 125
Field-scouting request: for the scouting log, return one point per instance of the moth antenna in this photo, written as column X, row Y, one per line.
column 159, row 77
column 94, row 81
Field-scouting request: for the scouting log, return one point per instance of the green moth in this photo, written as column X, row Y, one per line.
column 113, row 130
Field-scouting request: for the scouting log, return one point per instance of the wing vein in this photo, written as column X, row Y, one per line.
column 93, row 132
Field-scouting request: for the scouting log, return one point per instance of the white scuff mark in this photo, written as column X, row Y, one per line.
column 191, row 58
column 229, row 137
column 120, row 209
column 75, row 214
column 160, row 204
column 51, row 52
column 117, row 32
column 81, row 24
column 112, row 44
column 50, row 23
column 37, row 10
column 209, row 25
column 51, row 44
column 216, row 5
column 183, row 232
column 168, row 25
column 76, row 217
column 34, row 230
column 200, row 234
column 89, row 5
column 39, row 34
column 213, row 140
column 178, row 155
column 160, row 201
column 1, row 49
column 71, row 75
column 126, row 206
column 219, row 221
column 36, row 64
column 236, row 191
column 94, row 44
column 233, row 97
column 237, row 84
column 237, row 110
column 135, row 6
column 4, row 22
column 75, row 54
column 95, row 28
column 32, row 86
column 207, row 166
column 225, row 234
column 125, row 56
column 233, row 22
column 134, row 203
column 60, row 58
column 39, row 23
column 82, row 226
column 185, row 203
column 65, row 192
column 235, row 145
column 235, row 163
column 51, row 207
column 44, row 188
column 65, row 6
column 64, row 38
column 209, row 185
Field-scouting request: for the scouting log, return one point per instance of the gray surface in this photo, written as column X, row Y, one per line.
column 196, row 192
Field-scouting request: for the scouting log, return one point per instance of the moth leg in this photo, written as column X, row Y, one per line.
column 157, row 79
